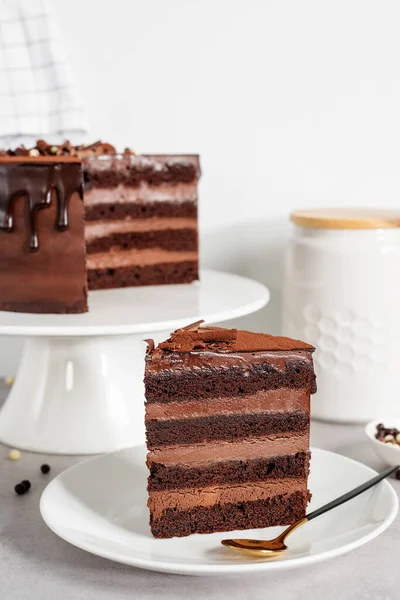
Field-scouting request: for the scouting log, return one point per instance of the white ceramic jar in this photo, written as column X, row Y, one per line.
column 342, row 294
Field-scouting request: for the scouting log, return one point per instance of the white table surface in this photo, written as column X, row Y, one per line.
column 36, row 565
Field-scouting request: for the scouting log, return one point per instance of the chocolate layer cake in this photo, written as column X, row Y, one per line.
column 227, row 424
column 141, row 214
column 141, row 223
column 42, row 248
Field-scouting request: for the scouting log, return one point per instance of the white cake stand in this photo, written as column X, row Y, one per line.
column 79, row 388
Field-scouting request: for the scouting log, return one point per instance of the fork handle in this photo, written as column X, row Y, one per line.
column 352, row 494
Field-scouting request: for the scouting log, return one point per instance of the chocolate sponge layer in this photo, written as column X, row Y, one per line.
column 159, row 274
column 167, row 239
column 223, row 427
column 163, row 477
column 277, row 510
column 141, row 210
column 167, row 386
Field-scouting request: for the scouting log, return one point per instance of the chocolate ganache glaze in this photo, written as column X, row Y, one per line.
column 35, row 173
column 35, row 178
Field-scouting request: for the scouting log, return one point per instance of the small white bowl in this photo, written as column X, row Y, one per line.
column 389, row 454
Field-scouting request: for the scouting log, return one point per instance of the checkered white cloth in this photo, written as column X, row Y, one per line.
column 37, row 95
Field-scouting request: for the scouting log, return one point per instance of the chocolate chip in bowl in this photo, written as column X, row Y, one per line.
column 384, row 435
column 388, row 435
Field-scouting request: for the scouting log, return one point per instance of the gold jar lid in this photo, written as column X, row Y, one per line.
column 347, row 218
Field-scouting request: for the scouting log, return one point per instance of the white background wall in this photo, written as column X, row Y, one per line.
column 290, row 104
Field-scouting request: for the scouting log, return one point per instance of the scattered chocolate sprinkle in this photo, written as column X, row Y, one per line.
column 45, row 469
column 19, row 489
column 27, row 484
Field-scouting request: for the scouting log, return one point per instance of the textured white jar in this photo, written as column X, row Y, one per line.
column 342, row 294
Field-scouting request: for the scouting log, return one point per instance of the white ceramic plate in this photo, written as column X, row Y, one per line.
column 100, row 506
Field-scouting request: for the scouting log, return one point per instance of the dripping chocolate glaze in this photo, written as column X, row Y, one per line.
column 35, row 181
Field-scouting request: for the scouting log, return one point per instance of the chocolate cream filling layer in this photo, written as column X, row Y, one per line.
column 186, row 499
column 208, row 452
column 178, row 192
column 100, row 229
column 125, row 258
column 282, row 400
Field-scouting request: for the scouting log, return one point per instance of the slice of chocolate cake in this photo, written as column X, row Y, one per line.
column 227, row 424
column 141, row 213
column 42, row 246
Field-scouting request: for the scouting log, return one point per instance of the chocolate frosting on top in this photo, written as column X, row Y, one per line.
column 105, row 167
column 195, row 338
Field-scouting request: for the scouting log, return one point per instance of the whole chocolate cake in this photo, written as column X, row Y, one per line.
column 141, row 223
column 227, row 424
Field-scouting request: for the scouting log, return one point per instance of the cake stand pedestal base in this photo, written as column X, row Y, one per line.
column 79, row 389
column 77, row 395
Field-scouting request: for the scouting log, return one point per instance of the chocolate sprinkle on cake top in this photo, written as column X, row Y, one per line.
column 42, row 148
column 227, row 340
